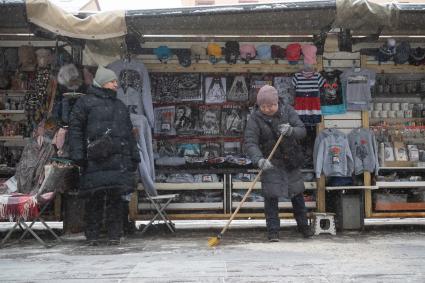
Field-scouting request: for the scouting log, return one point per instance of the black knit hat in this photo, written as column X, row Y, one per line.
column 231, row 52
column 402, row 53
column 417, row 56
column 184, row 56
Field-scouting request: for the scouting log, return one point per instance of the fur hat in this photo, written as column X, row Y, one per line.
column 44, row 57
column 247, row 52
column 27, row 58
column 184, row 57
column 293, row 53
column 69, row 77
column 103, row 76
column 267, row 95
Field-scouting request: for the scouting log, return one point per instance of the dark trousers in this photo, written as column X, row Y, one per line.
column 271, row 210
column 95, row 205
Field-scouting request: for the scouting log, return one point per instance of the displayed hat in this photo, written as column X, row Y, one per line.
column 267, row 95
column 402, row 53
column 247, row 52
column 184, row 57
column 163, row 53
column 27, row 58
column 11, row 59
column 417, row 56
column 44, row 57
column 231, row 52
column 277, row 53
column 69, row 77
column 309, row 53
column 385, row 53
column 214, row 52
column 293, row 53
column 103, row 76
column 198, row 52
column 264, row 53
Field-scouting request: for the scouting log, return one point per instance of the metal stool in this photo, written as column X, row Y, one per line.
column 324, row 223
column 160, row 207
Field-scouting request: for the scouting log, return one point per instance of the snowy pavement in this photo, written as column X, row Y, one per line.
column 380, row 253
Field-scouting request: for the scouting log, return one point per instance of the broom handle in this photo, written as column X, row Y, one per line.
column 250, row 188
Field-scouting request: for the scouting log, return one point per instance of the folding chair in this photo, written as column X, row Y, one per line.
column 160, row 203
column 23, row 207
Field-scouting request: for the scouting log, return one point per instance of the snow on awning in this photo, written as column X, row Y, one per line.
column 96, row 26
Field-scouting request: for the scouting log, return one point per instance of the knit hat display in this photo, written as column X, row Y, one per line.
column 402, row 53
column 214, row 52
column 417, row 56
column 198, row 52
column 293, row 53
column 184, row 57
column 267, row 95
column 104, row 76
column 163, row 53
column 247, row 52
column 27, row 58
column 277, row 53
column 386, row 51
column 309, row 53
column 69, row 77
column 264, row 53
column 231, row 52
column 11, row 59
column 44, row 57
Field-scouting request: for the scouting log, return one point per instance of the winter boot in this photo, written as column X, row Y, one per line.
column 273, row 236
column 306, row 231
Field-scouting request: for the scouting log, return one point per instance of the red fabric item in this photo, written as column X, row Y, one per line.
column 18, row 205
column 293, row 52
column 307, row 103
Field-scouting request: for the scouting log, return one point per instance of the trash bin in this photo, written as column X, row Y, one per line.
column 349, row 210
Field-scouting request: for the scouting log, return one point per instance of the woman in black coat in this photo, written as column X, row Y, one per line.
column 282, row 176
column 113, row 174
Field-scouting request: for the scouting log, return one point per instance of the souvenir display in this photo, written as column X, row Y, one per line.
column 164, row 120
column 186, row 119
column 238, row 89
column 209, row 119
column 233, row 118
column 215, row 89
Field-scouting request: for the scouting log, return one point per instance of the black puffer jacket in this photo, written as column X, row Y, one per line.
column 91, row 116
column 259, row 140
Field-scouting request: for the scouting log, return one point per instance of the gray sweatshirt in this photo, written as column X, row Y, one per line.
column 333, row 155
column 145, row 95
column 364, row 150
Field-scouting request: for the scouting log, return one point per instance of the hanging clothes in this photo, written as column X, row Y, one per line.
column 239, row 90
column 134, row 83
column 357, row 83
column 364, row 149
column 307, row 98
column 144, row 142
column 332, row 154
column 332, row 100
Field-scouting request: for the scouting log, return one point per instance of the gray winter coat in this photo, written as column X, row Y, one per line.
column 258, row 143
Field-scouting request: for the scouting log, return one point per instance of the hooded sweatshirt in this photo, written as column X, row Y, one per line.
column 364, row 149
column 333, row 155
column 142, row 98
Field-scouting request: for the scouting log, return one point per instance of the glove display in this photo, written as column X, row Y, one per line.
column 264, row 164
column 285, row 129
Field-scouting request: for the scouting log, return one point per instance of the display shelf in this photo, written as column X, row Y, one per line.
column 188, row 186
column 260, row 204
column 11, row 138
column 402, row 168
column 245, row 185
column 404, row 206
column 186, row 206
column 12, row 112
column 401, row 185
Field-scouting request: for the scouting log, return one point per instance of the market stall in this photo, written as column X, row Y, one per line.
column 199, row 70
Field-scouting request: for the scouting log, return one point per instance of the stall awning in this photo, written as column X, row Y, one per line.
column 294, row 17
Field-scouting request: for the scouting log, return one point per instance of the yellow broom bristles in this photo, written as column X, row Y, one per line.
column 213, row 241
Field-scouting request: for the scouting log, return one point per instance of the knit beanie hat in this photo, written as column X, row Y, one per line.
column 267, row 95
column 104, row 76
column 309, row 53
column 264, row 53
column 198, row 52
column 293, row 52
column 247, row 52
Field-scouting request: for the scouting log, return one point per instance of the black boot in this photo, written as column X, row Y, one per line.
column 273, row 236
column 306, row 231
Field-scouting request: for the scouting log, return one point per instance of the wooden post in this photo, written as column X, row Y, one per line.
column 367, row 180
column 321, row 194
column 58, row 207
column 133, row 209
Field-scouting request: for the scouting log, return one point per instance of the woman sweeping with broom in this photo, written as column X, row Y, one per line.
column 281, row 175
column 271, row 141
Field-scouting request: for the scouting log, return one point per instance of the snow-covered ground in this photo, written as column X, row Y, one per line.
column 394, row 252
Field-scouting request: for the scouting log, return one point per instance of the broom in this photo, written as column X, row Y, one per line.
column 214, row 241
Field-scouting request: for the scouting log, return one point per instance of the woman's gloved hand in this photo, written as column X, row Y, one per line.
column 285, row 129
column 264, row 164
